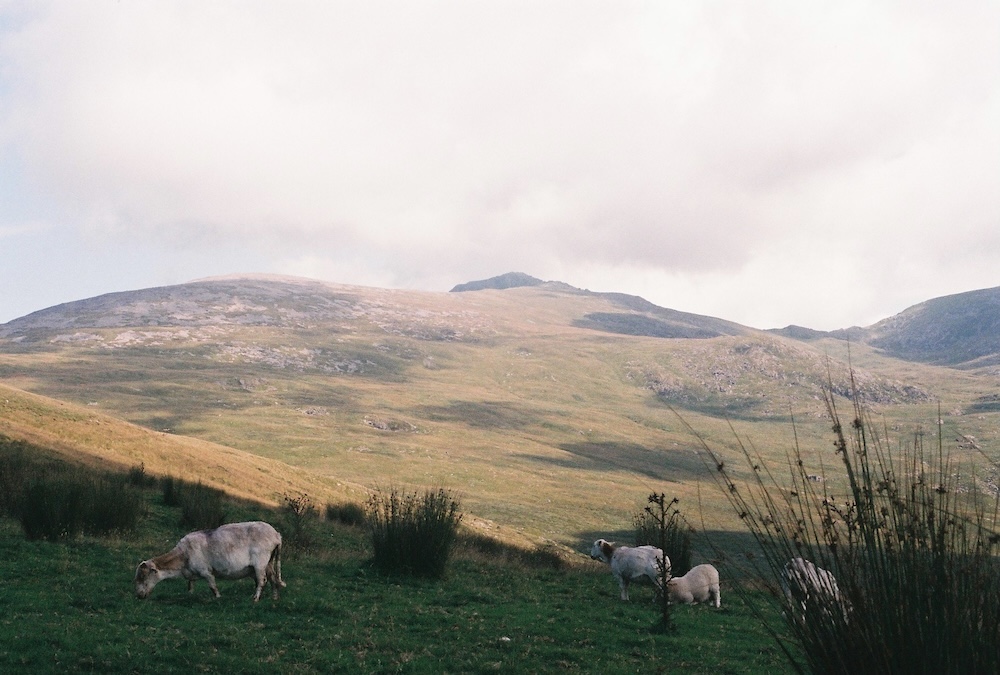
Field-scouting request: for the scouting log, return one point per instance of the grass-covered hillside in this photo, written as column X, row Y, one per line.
column 70, row 604
column 554, row 412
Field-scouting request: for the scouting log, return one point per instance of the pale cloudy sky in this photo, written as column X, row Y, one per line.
column 825, row 164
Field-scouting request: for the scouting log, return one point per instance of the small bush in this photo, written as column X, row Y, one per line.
column 138, row 477
column 660, row 524
column 413, row 534
column 66, row 506
column 113, row 507
column 171, row 490
column 300, row 518
column 201, row 506
column 51, row 509
column 346, row 513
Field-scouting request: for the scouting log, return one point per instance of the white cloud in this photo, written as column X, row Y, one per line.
column 726, row 151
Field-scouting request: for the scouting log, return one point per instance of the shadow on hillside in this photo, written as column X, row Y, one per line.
column 480, row 414
column 744, row 409
column 639, row 324
column 656, row 463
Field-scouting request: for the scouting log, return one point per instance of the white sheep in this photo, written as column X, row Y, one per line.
column 807, row 585
column 701, row 583
column 640, row 564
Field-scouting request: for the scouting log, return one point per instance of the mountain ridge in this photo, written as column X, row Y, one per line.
column 960, row 330
column 523, row 398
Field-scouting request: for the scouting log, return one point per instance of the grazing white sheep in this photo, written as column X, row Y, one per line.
column 806, row 585
column 701, row 583
column 232, row 551
column 640, row 563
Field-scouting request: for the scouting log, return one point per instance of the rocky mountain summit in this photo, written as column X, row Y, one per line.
column 960, row 331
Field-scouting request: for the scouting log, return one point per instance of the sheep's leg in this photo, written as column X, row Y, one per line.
column 211, row 584
column 260, row 574
column 623, row 583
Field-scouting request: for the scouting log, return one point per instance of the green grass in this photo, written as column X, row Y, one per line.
column 69, row 607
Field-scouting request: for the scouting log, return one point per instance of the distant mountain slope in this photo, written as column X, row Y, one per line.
column 854, row 334
column 961, row 330
column 521, row 399
column 643, row 318
column 253, row 300
column 954, row 330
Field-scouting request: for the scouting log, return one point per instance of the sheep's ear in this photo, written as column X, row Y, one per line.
column 607, row 549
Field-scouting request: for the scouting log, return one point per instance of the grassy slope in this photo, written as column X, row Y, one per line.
column 543, row 427
column 69, row 607
column 81, row 435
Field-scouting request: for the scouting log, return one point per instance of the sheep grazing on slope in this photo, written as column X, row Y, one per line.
column 640, row 564
column 701, row 583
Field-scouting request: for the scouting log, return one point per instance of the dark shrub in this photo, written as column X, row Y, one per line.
column 201, row 506
column 138, row 477
column 412, row 534
column 114, row 506
column 52, row 509
column 65, row 506
column 172, row 488
column 15, row 475
column 300, row 520
column 667, row 530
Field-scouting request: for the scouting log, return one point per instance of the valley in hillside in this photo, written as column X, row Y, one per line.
column 552, row 412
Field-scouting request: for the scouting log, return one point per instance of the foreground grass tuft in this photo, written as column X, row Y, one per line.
column 411, row 533
column 913, row 545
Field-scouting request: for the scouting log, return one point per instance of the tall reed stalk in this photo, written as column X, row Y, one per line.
column 913, row 544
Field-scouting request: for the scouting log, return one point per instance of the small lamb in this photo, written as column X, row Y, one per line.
column 701, row 583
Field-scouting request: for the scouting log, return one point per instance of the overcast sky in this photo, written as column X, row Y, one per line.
column 825, row 164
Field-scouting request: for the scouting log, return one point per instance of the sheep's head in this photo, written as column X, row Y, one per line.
column 147, row 575
column 602, row 550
